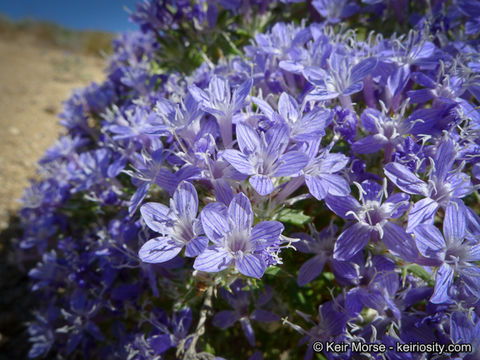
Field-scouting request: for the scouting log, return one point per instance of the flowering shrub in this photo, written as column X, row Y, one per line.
column 243, row 187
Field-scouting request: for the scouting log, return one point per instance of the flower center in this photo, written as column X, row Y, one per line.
column 388, row 129
column 264, row 163
column 238, row 241
column 440, row 191
column 372, row 213
column 457, row 254
column 183, row 230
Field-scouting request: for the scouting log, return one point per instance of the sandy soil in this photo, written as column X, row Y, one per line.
column 34, row 81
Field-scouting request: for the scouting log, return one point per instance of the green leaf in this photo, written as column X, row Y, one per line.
column 272, row 270
column 328, row 275
column 301, row 298
column 209, row 349
column 420, row 272
column 293, row 216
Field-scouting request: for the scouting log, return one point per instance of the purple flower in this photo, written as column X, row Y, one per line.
column 449, row 89
column 410, row 154
column 414, row 50
column 221, row 103
column 452, row 253
column 372, row 222
column 151, row 169
column 64, row 148
column 172, row 333
column 321, row 244
column 471, row 9
column 465, row 329
column 282, row 40
column 230, row 229
column 378, row 286
column 345, row 124
column 342, row 78
column 41, row 335
column 178, row 225
column 334, row 10
column 80, row 320
column 329, row 325
column 303, row 127
column 314, row 54
column 138, row 124
column 388, row 132
column 321, row 172
column 443, row 187
column 264, row 156
column 240, row 300
column 180, row 118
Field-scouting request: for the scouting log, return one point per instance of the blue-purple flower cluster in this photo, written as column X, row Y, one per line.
column 171, row 190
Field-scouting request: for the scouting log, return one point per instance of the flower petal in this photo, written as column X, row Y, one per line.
column 214, row 221
column 312, row 125
column 470, row 275
column 251, row 265
column 248, row 330
column 224, row 319
column 264, row 316
column 213, row 259
column 219, row 90
column 316, row 186
column 333, row 162
column 396, row 204
column 196, row 246
column 291, row 163
column 239, row 161
column 363, row 69
column 138, row 197
column 241, row 93
column 351, row 241
column 422, row 212
column 266, row 232
column 369, row 144
column 461, row 328
column 262, row 184
column 444, row 158
column 336, row 184
column 288, row 108
column 340, row 205
column 310, row 270
column 223, row 191
column 198, row 94
column 406, row 180
column 159, row 250
column 430, row 241
column 353, row 89
column 277, row 138
column 443, row 283
column 454, row 224
column 399, row 242
column 240, row 211
column 155, row 216
column 247, row 137
column 185, row 200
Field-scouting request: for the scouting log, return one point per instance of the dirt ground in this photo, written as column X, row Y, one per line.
column 34, row 81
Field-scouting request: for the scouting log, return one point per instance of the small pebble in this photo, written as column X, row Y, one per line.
column 13, row 130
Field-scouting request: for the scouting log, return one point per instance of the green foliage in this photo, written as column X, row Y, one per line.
column 293, row 216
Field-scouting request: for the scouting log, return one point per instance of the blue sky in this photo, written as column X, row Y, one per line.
column 108, row 15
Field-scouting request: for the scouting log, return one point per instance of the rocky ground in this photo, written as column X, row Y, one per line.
column 34, row 80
